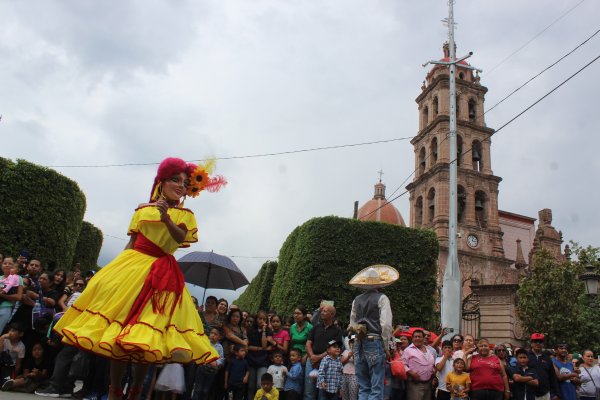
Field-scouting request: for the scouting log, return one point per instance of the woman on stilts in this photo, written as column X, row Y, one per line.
column 137, row 309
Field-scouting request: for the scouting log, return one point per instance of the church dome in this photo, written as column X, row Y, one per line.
column 377, row 209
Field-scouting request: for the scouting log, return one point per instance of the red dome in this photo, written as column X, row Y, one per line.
column 376, row 209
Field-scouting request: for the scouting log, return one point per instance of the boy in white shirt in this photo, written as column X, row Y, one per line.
column 278, row 370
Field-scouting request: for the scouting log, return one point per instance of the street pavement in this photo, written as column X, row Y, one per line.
column 20, row 396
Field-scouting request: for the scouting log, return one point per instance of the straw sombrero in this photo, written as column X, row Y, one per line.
column 375, row 276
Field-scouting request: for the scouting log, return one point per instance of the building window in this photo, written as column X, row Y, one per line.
column 435, row 106
column 461, row 75
column 425, row 116
column 481, row 206
column 422, row 161
column 431, row 204
column 433, row 148
column 457, row 107
column 419, row 211
column 477, row 155
column 472, row 110
column 461, row 205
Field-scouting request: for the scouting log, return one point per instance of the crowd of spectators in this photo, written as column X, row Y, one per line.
column 308, row 355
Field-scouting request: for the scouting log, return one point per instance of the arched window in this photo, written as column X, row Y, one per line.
column 477, row 155
column 481, row 208
column 461, row 75
column 431, row 204
column 422, row 161
column 472, row 110
column 425, row 116
column 433, row 149
column 461, row 205
column 459, row 150
column 435, row 106
column 419, row 211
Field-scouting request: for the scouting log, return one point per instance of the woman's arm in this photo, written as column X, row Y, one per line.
column 232, row 337
column 177, row 232
column 505, row 381
column 13, row 297
column 48, row 301
column 62, row 302
column 131, row 242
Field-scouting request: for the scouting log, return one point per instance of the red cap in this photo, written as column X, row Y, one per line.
column 537, row 336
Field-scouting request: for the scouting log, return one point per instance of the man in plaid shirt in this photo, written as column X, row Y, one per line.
column 329, row 380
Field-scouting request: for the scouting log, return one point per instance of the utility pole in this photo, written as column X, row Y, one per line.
column 451, row 297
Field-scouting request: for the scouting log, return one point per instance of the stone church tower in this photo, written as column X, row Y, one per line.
column 480, row 245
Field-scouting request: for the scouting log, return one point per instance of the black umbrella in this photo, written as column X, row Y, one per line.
column 211, row 270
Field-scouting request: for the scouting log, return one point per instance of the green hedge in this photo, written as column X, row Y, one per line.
column 256, row 296
column 41, row 210
column 88, row 247
column 319, row 257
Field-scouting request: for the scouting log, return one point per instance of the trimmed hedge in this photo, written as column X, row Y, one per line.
column 319, row 257
column 88, row 247
column 256, row 296
column 41, row 210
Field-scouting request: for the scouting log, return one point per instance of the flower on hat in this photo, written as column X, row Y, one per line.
column 200, row 180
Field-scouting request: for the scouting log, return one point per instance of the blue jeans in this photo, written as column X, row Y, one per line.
column 310, row 385
column 5, row 315
column 369, row 359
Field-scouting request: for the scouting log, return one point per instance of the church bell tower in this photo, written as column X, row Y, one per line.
column 480, row 246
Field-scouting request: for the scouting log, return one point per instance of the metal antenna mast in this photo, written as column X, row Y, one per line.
column 451, row 300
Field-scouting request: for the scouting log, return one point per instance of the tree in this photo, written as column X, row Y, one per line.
column 88, row 247
column 588, row 336
column 41, row 210
column 319, row 258
column 256, row 296
column 549, row 299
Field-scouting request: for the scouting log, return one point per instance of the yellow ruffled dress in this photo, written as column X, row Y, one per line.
column 97, row 320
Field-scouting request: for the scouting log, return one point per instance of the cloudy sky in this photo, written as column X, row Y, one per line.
column 94, row 83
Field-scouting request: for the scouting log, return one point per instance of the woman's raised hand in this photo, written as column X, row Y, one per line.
column 162, row 207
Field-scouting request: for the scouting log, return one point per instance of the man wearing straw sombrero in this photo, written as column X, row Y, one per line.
column 371, row 319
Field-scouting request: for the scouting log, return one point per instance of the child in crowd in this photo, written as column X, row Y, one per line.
column 237, row 373
column 205, row 374
column 277, row 370
column 443, row 366
column 349, row 389
column 171, row 380
column 294, row 382
column 10, row 283
column 458, row 382
column 266, row 391
column 11, row 343
column 280, row 338
column 525, row 380
column 329, row 379
column 35, row 371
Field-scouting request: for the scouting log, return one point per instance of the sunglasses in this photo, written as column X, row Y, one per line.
column 537, row 341
column 499, row 350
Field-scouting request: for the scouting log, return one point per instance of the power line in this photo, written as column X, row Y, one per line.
column 541, row 72
column 495, row 132
column 534, row 37
column 189, row 251
column 243, row 156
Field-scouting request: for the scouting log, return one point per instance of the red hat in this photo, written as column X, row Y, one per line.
column 169, row 167
column 537, row 336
